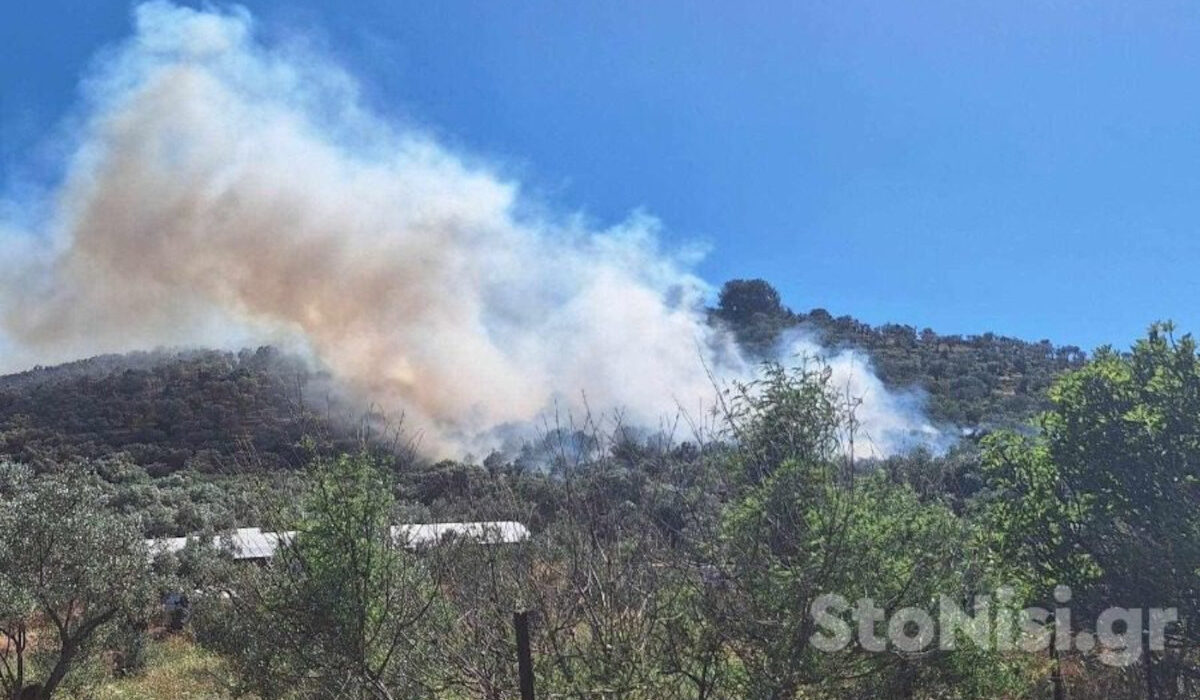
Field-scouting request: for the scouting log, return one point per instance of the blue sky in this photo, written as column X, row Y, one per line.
column 1028, row 168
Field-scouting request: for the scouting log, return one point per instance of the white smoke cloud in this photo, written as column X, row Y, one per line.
column 223, row 192
column 889, row 421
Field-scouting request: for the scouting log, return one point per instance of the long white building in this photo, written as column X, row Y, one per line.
column 252, row 544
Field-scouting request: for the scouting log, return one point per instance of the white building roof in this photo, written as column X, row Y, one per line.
column 494, row 532
column 252, row 543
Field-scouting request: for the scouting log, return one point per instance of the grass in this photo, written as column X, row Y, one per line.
column 176, row 668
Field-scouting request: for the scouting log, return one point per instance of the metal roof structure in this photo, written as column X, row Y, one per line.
column 243, row 543
column 493, row 532
column 251, row 543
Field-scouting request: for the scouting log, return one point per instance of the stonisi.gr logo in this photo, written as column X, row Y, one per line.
column 1118, row 637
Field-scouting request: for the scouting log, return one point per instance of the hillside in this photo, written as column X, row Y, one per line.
column 976, row 381
column 211, row 411
column 204, row 411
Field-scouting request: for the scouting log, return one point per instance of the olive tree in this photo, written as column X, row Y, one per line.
column 72, row 571
column 343, row 609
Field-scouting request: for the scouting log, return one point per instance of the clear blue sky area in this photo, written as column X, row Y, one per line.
column 1028, row 168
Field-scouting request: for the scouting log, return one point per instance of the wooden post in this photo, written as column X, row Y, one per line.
column 524, row 655
column 1056, row 674
column 1151, row 690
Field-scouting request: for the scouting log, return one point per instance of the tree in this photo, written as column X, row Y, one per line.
column 741, row 300
column 797, row 529
column 1027, row 526
column 70, row 567
column 344, row 609
column 752, row 310
column 1108, row 493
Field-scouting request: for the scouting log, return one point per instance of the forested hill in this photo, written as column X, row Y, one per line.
column 210, row 411
column 206, row 411
column 971, row 381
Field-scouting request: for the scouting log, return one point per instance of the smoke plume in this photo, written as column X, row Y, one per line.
column 222, row 192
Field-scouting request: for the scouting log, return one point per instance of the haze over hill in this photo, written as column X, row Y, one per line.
column 249, row 310
column 215, row 411
column 224, row 193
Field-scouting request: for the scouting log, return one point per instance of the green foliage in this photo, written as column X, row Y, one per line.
column 806, row 526
column 343, row 609
column 752, row 308
column 657, row 570
column 1124, row 433
column 786, row 414
column 200, row 411
column 72, row 563
column 971, row 381
column 209, row 412
column 1105, row 498
column 744, row 299
column 1025, row 518
column 175, row 668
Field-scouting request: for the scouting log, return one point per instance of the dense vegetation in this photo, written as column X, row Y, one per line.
column 200, row 411
column 211, row 412
column 657, row 569
column 971, row 381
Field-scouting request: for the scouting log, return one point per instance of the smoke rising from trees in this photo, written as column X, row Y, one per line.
column 221, row 192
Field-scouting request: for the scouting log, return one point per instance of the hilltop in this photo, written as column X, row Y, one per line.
column 971, row 382
column 212, row 411
column 199, row 410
